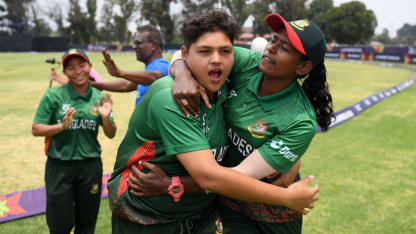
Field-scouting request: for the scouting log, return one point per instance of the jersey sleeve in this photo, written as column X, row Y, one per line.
column 162, row 66
column 45, row 110
column 179, row 133
column 245, row 62
column 282, row 151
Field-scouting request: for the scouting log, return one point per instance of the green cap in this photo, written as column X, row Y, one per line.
column 304, row 35
column 74, row 52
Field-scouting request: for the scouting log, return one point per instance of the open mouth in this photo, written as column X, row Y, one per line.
column 267, row 59
column 215, row 75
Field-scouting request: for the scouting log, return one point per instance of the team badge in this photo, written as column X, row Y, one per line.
column 93, row 110
column 72, row 51
column 65, row 107
column 94, row 188
column 258, row 129
column 218, row 223
column 300, row 24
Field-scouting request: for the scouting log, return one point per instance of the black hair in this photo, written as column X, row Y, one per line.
column 154, row 34
column 316, row 88
column 209, row 21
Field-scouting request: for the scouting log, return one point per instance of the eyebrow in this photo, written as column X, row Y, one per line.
column 211, row 47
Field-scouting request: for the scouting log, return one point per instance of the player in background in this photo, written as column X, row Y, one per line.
column 148, row 47
column 69, row 117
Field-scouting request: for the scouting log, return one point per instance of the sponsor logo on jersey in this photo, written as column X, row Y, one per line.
column 218, row 224
column 258, row 129
column 65, row 107
column 94, row 188
column 220, row 153
column 231, row 94
column 284, row 150
column 205, row 128
column 300, row 24
column 240, row 143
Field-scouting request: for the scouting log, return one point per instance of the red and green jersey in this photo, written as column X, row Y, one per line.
column 79, row 141
column 157, row 131
column 281, row 126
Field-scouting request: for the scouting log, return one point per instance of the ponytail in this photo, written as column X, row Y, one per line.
column 316, row 88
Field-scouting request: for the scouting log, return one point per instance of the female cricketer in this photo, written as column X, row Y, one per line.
column 69, row 117
column 271, row 118
column 160, row 133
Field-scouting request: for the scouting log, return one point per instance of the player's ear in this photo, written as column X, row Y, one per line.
column 184, row 52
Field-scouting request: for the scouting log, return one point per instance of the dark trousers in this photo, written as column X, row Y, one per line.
column 73, row 193
column 236, row 223
column 209, row 223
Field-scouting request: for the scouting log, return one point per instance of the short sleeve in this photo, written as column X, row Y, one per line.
column 282, row 151
column 245, row 61
column 161, row 65
column 45, row 110
column 179, row 134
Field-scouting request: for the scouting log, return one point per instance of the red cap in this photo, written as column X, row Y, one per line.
column 275, row 22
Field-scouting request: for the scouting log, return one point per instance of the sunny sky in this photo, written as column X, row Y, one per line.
column 391, row 14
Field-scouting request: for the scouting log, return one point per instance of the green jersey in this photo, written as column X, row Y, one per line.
column 281, row 126
column 79, row 141
column 157, row 131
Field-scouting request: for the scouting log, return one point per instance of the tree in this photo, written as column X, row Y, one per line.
column 38, row 26
column 259, row 10
column 17, row 15
column 290, row 9
column 157, row 13
column 107, row 32
column 91, row 22
column 318, row 10
column 77, row 19
column 383, row 37
column 191, row 7
column 407, row 34
column 351, row 23
column 56, row 14
column 239, row 9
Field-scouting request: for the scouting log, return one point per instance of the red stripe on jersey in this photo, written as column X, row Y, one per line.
column 144, row 153
column 47, row 142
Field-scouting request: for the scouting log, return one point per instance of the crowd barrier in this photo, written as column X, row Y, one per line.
column 32, row 202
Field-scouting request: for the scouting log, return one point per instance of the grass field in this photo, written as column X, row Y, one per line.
column 366, row 168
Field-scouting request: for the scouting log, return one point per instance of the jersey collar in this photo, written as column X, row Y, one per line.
column 274, row 101
column 75, row 95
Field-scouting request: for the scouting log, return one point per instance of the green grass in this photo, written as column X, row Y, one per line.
column 365, row 168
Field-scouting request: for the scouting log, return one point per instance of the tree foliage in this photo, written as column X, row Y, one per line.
column 407, row 34
column 157, row 12
column 318, row 10
column 17, row 18
column 239, row 9
column 38, row 26
column 351, row 23
column 290, row 9
column 259, row 10
column 191, row 7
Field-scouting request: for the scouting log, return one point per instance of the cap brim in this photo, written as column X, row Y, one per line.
column 72, row 55
column 275, row 22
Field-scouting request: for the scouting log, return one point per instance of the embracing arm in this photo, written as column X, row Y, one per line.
column 230, row 183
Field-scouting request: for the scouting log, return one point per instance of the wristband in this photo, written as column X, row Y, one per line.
column 60, row 126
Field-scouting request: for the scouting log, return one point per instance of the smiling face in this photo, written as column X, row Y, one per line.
column 143, row 46
column 78, row 71
column 210, row 60
column 281, row 60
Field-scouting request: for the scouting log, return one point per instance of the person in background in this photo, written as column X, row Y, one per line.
column 69, row 117
column 148, row 47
